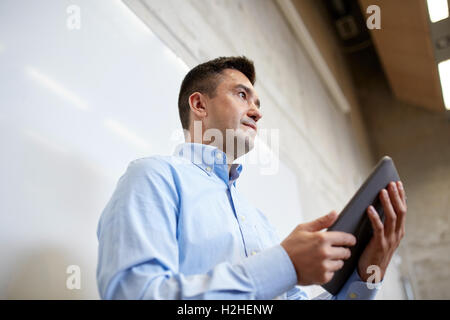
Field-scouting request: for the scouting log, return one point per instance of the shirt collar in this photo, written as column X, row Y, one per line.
column 209, row 159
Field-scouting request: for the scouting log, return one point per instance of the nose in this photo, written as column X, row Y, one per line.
column 254, row 113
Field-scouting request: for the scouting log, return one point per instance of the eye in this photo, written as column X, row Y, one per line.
column 244, row 95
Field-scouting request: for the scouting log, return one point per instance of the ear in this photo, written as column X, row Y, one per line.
column 197, row 102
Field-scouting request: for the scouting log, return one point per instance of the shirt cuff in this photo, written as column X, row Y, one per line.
column 356, row 289
column 271, row 271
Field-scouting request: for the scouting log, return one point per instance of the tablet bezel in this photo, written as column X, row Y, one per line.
column 353, row 218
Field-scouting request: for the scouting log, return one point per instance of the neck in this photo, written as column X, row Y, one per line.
column 230, row 155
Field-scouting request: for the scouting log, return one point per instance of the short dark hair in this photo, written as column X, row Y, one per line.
column 205, row 78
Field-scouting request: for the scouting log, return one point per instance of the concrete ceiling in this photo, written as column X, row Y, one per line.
column 405, row 49
column 404, row 45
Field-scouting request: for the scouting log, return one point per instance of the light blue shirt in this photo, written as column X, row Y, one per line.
column 176, row 228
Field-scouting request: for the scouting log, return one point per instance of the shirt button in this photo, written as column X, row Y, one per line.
column 208, row 169
column 243, row 218
column 218, row 156
column 352, row 295
column 253, row 253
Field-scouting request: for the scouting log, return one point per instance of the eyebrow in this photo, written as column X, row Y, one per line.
column 249, row 92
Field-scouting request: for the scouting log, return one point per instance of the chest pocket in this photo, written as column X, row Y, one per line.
column 262, row 231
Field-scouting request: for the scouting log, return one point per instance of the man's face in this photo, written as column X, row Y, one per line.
column 234, row 106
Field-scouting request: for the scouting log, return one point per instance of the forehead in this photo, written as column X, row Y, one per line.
column 232, row 77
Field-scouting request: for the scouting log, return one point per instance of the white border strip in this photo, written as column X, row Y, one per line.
column 300, row 30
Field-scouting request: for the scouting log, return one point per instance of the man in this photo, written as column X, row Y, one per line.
column 176, row 228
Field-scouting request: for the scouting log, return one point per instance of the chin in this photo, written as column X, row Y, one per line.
column 244, row 143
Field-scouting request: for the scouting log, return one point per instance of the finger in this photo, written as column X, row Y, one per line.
column 402, row 191
column 400, row 209
column 377, row 224
column 339, row 253
column 334, row 265
column 396, row 199
column 338, row 238
column 320, row 223
column 389, row 212
column 329, row 276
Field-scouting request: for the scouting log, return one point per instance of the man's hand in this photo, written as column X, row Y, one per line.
column 386, row 238
column 317, row 255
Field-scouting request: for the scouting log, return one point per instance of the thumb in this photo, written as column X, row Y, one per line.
column 320, row 223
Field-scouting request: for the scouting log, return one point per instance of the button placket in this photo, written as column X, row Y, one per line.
column 233, row 205
column 248, row 232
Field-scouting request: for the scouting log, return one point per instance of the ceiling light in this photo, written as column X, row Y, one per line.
column 438, row 10
column 444, row 74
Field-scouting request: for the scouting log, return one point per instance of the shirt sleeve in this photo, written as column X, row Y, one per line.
column 353, row 289
column 356, row 289
column 138, row 250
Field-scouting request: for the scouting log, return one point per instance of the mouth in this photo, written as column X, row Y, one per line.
column 250, row 125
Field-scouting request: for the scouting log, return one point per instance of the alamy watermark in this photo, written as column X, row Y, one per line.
column 73, row 281
column 234, row 143
column 373, row 282
column 73, row 21
column 374, row 20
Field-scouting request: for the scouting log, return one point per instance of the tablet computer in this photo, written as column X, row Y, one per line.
column 353, row 218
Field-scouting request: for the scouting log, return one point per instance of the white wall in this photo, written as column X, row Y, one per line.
column 76, row 107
